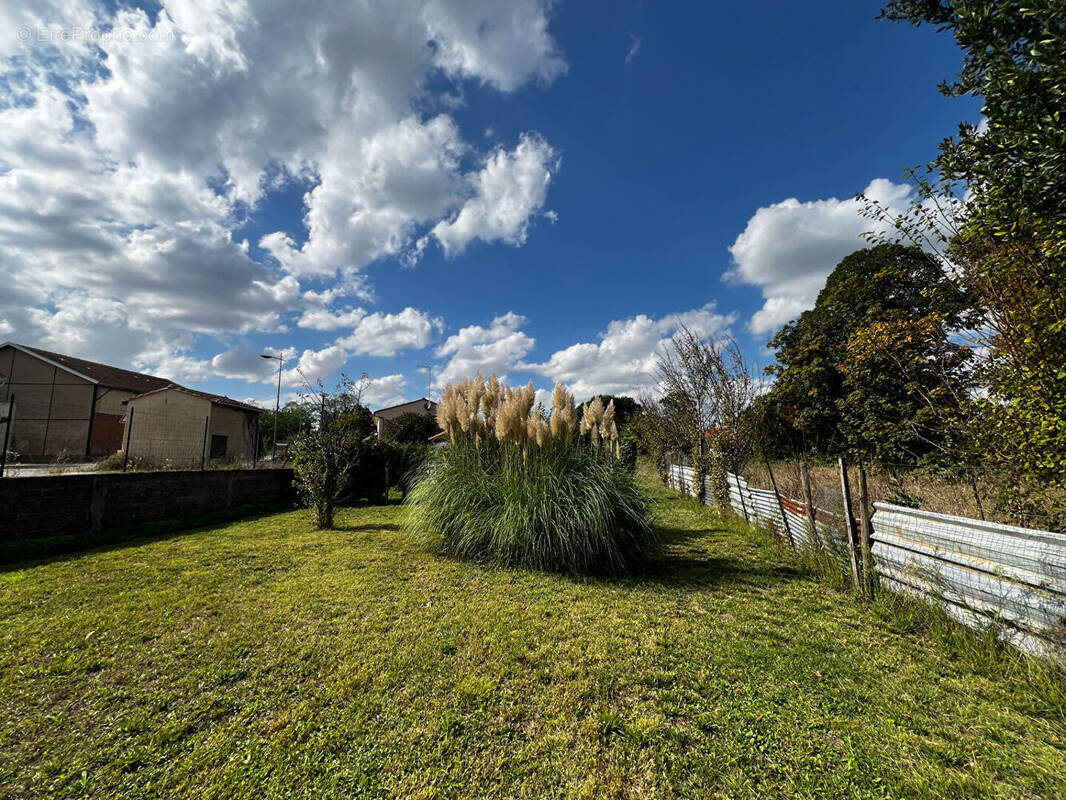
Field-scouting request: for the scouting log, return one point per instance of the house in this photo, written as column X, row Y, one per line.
column 186, row 428
column 71, row 408
column 66, row 407
column 422, row 405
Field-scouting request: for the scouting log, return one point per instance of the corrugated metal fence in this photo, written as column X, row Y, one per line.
column 981, row 573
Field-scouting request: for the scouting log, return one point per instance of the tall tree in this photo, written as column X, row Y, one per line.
column 325, row 456
column 412, row 428
column 711, row 387
column 836, row 383
column 1007, row 240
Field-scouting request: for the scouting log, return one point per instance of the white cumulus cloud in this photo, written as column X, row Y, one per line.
column 129, row 161
column 623, row 361
column 508, row 191
column 492, row 350
column 789, row 248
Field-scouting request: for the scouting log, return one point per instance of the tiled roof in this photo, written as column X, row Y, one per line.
column 217, row 399
column 420, row 401
column 103, row 374
column 127, row 380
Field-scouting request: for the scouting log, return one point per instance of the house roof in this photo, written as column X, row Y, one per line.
column 102, row 374
column 432, row 403
column 217, row 399
column 124, row 379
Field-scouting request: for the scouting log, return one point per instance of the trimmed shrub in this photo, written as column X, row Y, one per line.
column 516, row 488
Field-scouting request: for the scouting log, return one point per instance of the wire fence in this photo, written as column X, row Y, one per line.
column 984, row 574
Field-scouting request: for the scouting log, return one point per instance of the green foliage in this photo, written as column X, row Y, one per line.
column 659, row 430
column 264, row 659
column 379, row 466
column 858, row 371
column 294, row 418
column 324, row 458
column 1014, row 52
column 1009, row 230
column 411, row 428
column 564, row 506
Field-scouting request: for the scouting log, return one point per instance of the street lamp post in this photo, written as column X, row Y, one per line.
column 277, row 407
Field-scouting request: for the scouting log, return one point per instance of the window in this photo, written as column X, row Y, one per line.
column 218, row 446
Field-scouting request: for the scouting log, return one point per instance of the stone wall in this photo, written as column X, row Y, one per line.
column 57, row 513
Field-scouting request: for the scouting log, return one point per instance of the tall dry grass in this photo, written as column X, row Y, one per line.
column 516, row 486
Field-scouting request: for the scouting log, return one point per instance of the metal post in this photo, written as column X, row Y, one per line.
column 7, row 432
column 255, row 447
column 849, row 524
column 203, row 451
column 129, row 433
column 277, row 413
column 780, row 505
column 92, row 417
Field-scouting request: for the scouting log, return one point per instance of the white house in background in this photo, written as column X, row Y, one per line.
column 384, row 416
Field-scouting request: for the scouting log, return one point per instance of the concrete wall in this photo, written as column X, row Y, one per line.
column 167, row 428
column 39, row 516
column 239, row 429
column 52, row 407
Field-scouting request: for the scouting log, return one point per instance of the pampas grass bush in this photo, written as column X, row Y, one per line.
column 516, row 488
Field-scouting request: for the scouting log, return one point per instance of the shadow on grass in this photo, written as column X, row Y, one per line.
column 680, row 565
column 371, row 526
column 66, row 548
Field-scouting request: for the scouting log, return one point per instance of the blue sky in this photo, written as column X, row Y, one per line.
column 545, row 191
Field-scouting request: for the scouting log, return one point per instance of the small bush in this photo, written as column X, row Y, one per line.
column 113, row 462
column 513, row 488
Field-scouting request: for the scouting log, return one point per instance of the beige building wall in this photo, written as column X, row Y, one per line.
column 167, row 428
column 111, row 401
column 239, row 429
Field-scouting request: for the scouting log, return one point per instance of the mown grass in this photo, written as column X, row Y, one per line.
column 265, row 659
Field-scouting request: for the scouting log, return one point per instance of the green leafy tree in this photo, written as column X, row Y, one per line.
column 839, row 385
column 294, row 418
column 412, row 428
column 325, row 456
column 1005, row 237
column 659, row 430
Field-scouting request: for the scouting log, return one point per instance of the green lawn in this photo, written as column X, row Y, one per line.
column 265, row 659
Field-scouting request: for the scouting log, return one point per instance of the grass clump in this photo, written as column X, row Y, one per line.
column 516, row 488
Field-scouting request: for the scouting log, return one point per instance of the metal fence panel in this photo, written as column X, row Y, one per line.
column 980, row 573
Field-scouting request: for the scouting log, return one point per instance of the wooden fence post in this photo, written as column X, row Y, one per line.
column 865, row 531
column 849, row 525
column 780, row 505
column 808, row 500
column 740, row 493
